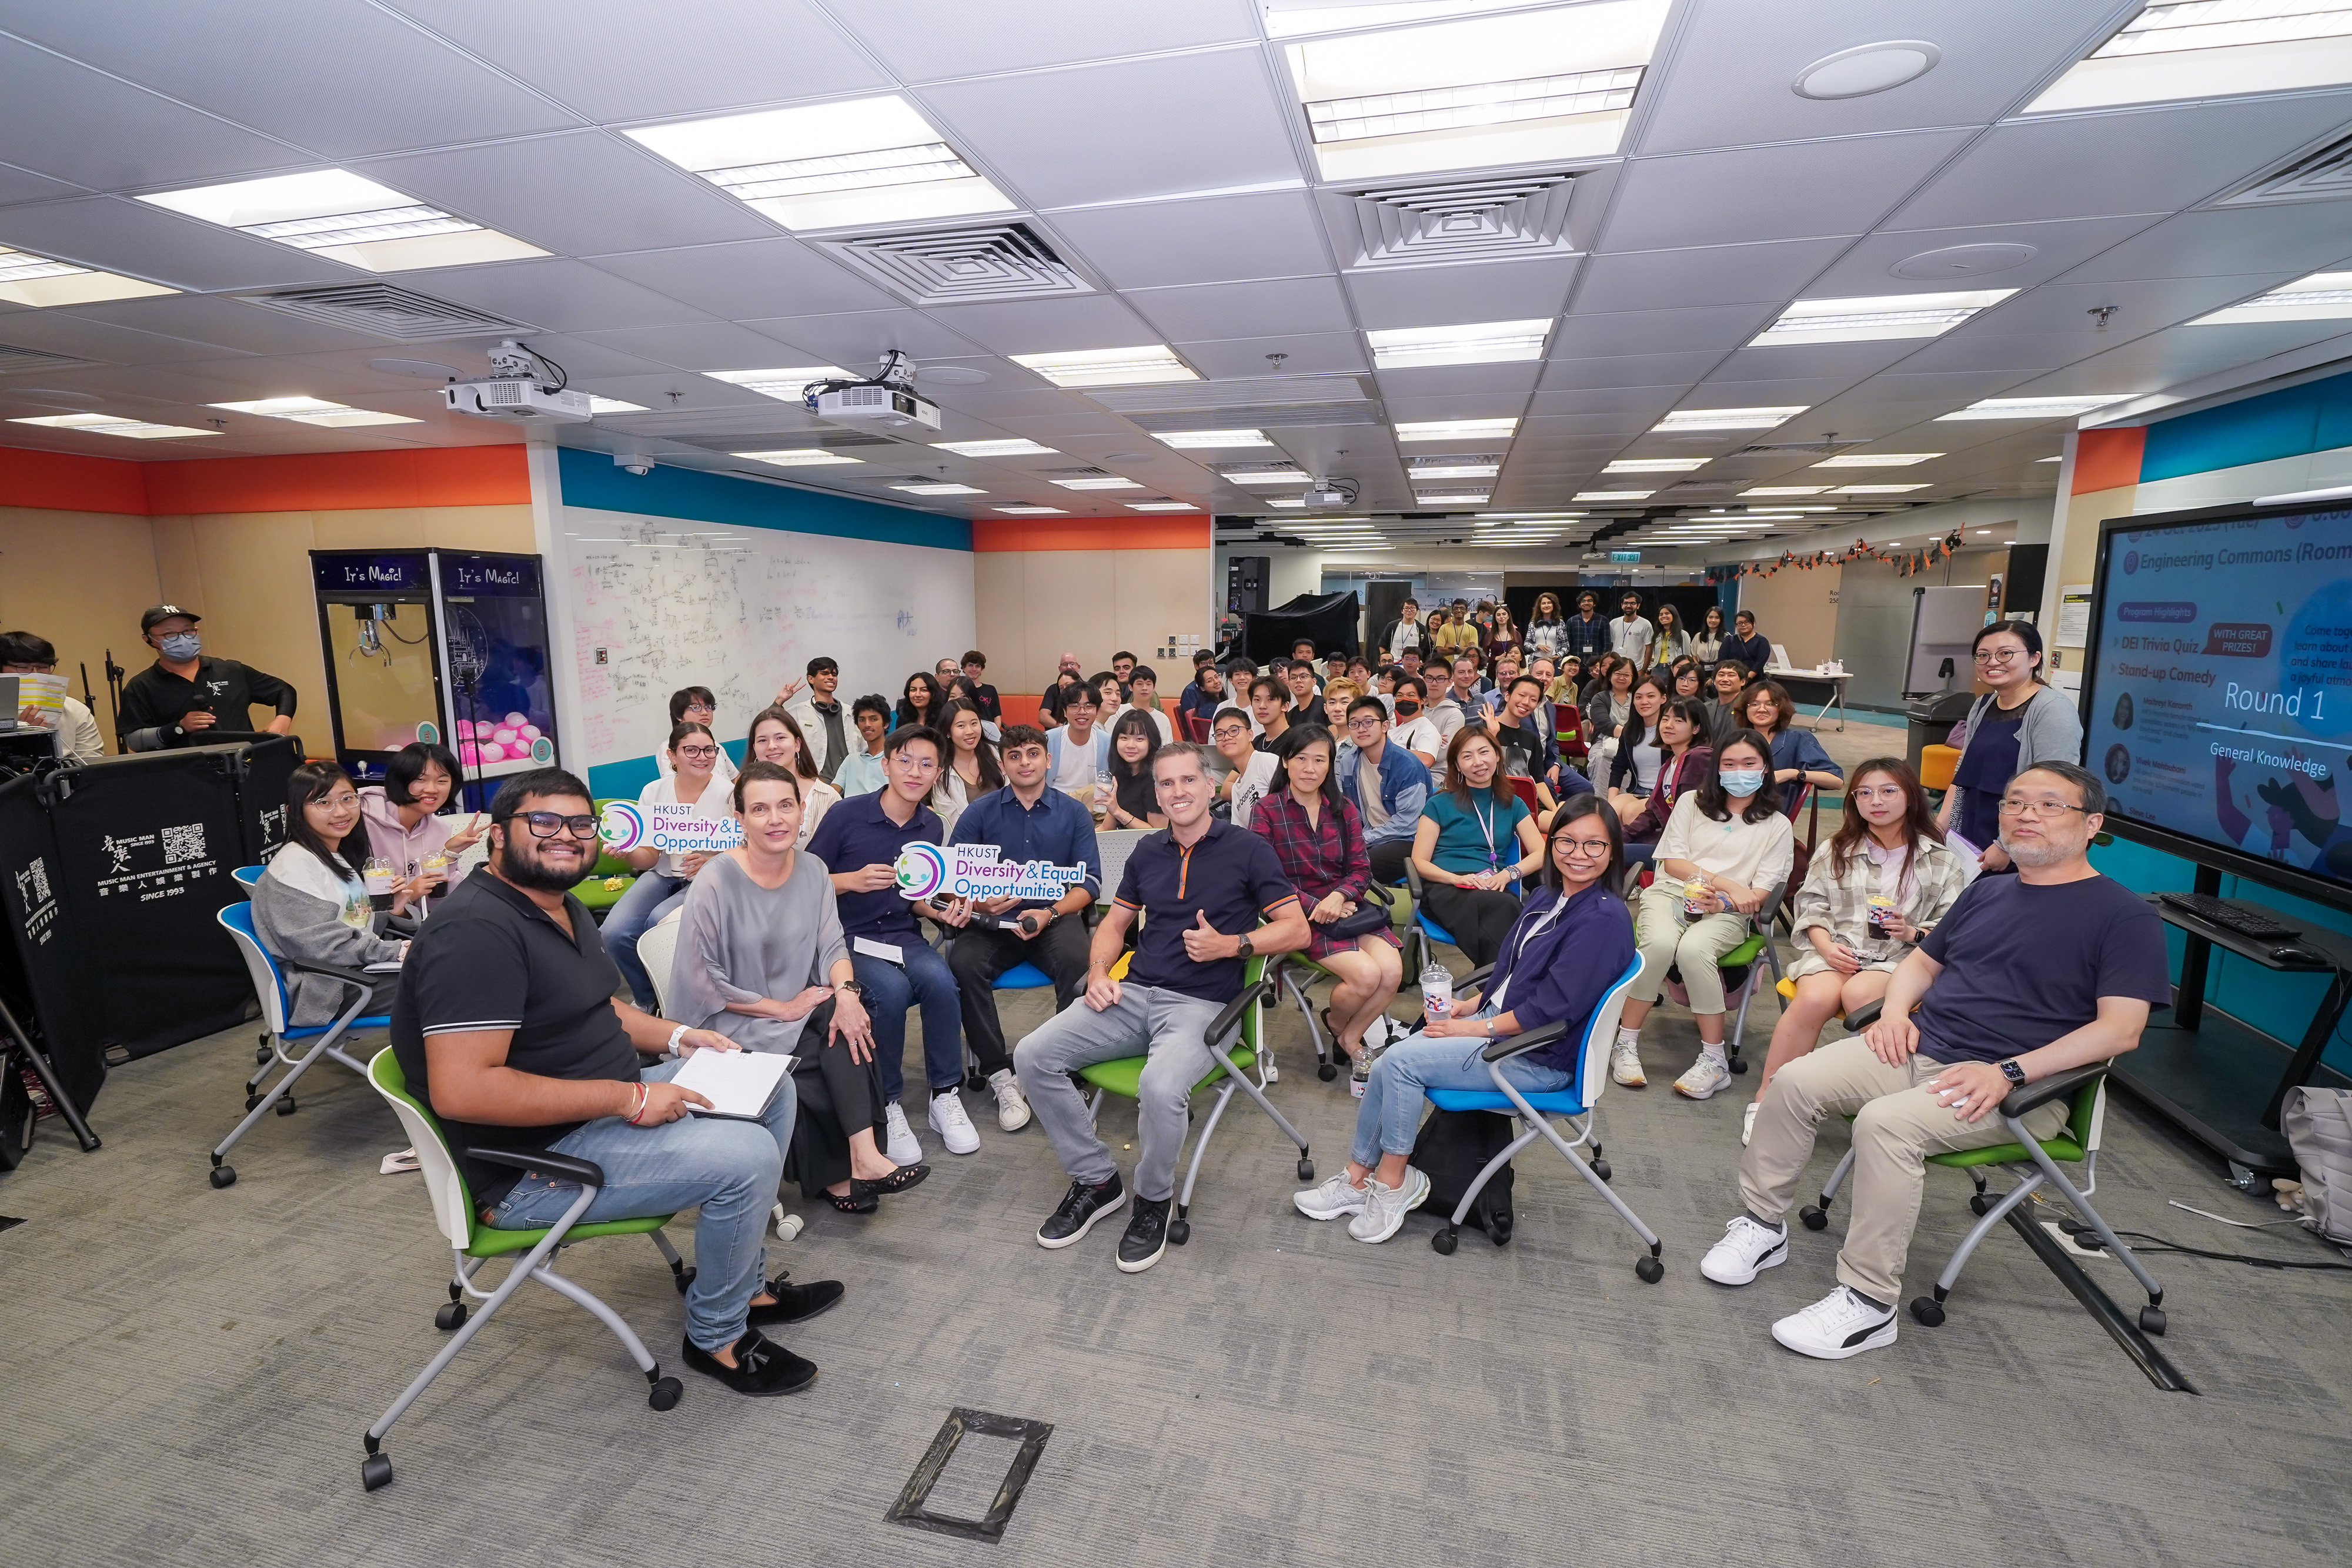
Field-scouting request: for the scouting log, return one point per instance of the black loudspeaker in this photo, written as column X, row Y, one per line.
column 1245, row 580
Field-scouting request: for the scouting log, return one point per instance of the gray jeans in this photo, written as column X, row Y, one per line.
column 1167, row 1026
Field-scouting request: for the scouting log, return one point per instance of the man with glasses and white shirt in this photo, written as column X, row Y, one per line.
column 2027, row 975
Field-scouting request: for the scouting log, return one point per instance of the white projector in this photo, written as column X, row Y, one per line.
column 876, row 404
column 1329, row 495
column 514, row 398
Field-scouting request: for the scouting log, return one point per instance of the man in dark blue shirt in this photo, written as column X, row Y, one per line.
column 859, row 841
column 1026, row 820
column 1202, row 886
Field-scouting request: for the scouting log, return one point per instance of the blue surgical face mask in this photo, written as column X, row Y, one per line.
column 1741, row 782
column 180, row 646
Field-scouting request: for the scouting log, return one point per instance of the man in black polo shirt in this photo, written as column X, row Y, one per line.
column 1202, row 887
column 186, row 692
column 506, row 1025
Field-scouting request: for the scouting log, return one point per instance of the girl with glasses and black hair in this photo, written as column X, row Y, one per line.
column 696, row 704
column 1559, row 958
column 313, row 905
column 1797, row 755
column 664, row 877
column 2018, row 724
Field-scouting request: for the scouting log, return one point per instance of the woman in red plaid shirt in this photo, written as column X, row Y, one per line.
column 1319, row 839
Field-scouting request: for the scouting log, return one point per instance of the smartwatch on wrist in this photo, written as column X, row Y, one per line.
column 1241, row 949
column 2013, row 1072
column 674, row 1036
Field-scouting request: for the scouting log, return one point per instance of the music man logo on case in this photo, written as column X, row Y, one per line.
column 922, row 870
column 2131, row 562
column 622, row 826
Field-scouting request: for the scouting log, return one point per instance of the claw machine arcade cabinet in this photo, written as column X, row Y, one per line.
column 445, row 646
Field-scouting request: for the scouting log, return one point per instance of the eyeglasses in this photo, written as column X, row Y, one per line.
column 2000, row 656
column 1591, row 849
column 1366, row 724
column 699, row 753
column 1231, row 732
column 701, row 707
column 2035, row 810
column 547, row 825
column 343, row 802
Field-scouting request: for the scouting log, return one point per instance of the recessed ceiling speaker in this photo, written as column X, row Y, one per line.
column 52, row 395
column 1866, row 68
column 1964, row 261
column 952, row 375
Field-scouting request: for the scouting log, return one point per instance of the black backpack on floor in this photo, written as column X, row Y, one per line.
column 1453, row 1147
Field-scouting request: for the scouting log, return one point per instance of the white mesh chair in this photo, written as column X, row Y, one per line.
column 657, row 951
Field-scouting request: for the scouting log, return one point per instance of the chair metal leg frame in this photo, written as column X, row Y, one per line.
column 1326, row 1051
column 375, row 1471
column 326, row 1044
column 1596, row 1172
column 1179, row 1225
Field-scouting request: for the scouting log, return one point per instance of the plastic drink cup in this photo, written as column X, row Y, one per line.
column 436, row 872
column 1882, row 915
column 377, row 876
column 1437, row 990
column 1698, row 899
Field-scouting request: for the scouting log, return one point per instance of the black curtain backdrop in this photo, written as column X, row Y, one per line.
column 1329, row 618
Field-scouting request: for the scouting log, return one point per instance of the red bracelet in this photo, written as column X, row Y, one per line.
column 644, row 1097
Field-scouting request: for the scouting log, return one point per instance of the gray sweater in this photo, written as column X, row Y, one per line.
column 738, row 942
column 299, row 910
column 2050, row 730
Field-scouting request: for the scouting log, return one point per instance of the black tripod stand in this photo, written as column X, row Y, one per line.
column 14, row 1137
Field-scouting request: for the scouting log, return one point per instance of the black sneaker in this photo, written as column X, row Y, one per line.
column 1081, row 1207
column 795, row 1303
column 761, row 1366
column 1146, row 1238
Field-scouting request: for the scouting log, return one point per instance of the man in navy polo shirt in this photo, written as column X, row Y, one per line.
column 1202, row 887
column 895, row 968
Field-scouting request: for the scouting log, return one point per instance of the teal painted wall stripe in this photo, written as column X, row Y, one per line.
column 2314, row 417
column 593, row 479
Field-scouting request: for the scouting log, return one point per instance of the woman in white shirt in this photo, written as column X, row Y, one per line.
column 1727, row 846
column 664, row 877
column 777, row 737
column 1634, row 762
column 971, row 770
column 1707, row 646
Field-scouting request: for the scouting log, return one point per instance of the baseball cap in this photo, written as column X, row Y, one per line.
column 147, row 622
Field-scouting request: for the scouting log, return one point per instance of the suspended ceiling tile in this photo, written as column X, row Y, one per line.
column 1808, row 189
column 1506, row 382
column 2167, row 358
column 1211, row 239
column 559, row 294
column 1048, row 326
column 1651, row 332
column 1450, row 296
column 1841, row 363
column 1669, row 371
column 1209, row 311
column 1867, row 269
column 1990, row 351
column 24, row 186
column 230, row 323
column 1710, row 274
column 922, row 39
column 751, row 279
column 855, row 338
column 2304, row 236
column 698, row 346
column 2062, row 310
column 62, row 119
column 55, row 333
column 141, row 241
column 1308, row 353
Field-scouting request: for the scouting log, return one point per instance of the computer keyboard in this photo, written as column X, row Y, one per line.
column 2229, row 916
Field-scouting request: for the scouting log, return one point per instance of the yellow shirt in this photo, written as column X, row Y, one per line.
column 1453, row 637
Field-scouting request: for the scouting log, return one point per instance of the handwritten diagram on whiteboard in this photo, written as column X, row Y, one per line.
column 659, row 604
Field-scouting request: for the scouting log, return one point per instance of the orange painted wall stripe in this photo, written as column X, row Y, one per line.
column 342, row 481
column 992, row 534
column 70, row 482
column 2108, row 459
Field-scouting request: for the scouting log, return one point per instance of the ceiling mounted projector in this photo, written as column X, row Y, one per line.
column 526, row 388
column 1331, row 492
column 878, row 404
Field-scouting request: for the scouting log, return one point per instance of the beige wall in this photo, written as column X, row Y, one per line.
column 78, row 579
column 1798, row 610
column 1033, row 604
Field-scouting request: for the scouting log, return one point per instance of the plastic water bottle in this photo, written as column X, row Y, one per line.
column 787, row 1224
column 1437, row 990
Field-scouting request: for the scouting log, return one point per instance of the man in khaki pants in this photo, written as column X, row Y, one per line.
column 2028, row 975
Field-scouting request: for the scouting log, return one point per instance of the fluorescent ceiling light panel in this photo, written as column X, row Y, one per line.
column 114, row 425
column 2321, row 297
column 1876, row 459
column 1877, row 489
column 1213, row 438
column 1482, row 344
column 1009, row 448
column 599, row 403
column 1139, row 366
column 930, row 490
column 1689, row 419
column 1454, row 467
column 1160, row 507
column 1607, row 495
column 1457, row 430
column 798, row 458
column 1535, row 85
column 40, row 282
column 784, row 385
column 2032, row 407
column 1288, row 503
column 1271, row 474
column 1108, row 482
column 316, row 410
column 1877, row 317
column 1526, row 517
column 1031, row 511
column 1784, row 490
column 337, row 213
column 827, row 165
column 1465, row 498
column 2210, row 48
column 1654, row 464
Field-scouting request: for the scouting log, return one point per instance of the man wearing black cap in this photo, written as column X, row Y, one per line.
column 186, row 691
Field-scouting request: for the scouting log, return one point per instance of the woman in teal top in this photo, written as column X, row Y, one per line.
column 1474, row 840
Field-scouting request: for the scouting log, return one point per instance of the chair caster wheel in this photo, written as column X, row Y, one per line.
column 251, row 1101
column 682, row 1279
column 1814, row 1217
column 1927, row 1310
column 1739, row 1067
column 1444, row 1242
column 666, row 1394
column 1499, row 1230
column 2151, row 1319
column 286, row 1106
column 1306, row 1170
column 376, row 1472
column 1326, row 1070
column 1601, row 1169
column 224, row 1175
column 1649, row 1271
column 450, row 1318
column 1980, row 1204
column 973, row 1083
column 261, row 1056
column 1180, row 1231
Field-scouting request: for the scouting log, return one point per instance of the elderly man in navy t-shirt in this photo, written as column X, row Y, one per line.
column 2028, row 975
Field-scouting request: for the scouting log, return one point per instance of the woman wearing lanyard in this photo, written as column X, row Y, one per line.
column 1474, row 842
column 1547, row 627
column 1559, row 959
column 776, row 737
column 2021, row 723
column 663, row 878
column 404, row 822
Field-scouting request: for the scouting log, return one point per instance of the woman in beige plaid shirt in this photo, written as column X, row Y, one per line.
column 1876, row 889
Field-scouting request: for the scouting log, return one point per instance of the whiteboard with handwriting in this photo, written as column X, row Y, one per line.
column 657, row 603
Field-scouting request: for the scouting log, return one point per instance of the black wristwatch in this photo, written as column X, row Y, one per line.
column 1243, row 951
column 2013, row 1072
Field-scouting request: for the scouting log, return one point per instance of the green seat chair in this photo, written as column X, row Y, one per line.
column 1739, row 972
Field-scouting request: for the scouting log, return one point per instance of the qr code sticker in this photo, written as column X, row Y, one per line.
column 183, row 844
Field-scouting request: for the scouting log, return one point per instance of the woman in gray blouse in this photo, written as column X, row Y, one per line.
column 761, row 958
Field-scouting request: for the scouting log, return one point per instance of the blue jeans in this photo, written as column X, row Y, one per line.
column 1390, row 1117
column 640, row 909
column 731, row 1169
column 924, row 981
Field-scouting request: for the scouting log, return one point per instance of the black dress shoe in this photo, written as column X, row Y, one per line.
column 795, row 1303
column 761, row 1366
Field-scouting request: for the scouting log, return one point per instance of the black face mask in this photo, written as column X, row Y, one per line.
column 1407, row 708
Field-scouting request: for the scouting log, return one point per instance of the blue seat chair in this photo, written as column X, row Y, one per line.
column 249, row 875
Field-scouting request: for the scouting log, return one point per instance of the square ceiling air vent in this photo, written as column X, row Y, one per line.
column 382, row 310
column 2319, row 176
column 13, row 358
column 1462, row 220
column 965, row 266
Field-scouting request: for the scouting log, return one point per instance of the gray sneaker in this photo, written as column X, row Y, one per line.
column 1330, row 1201
column 1386, row 1206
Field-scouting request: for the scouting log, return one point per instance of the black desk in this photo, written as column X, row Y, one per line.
column 2219, row 1079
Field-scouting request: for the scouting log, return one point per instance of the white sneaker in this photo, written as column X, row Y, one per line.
column 1386, row 1206
column 1749, row 1247
column 1329, row 1201
column 898, row 1139
column 1012, row 1105
column 1626, row 1064
column 1838, row 1326
column 1748, row 1121
column 953, row 1123
column 1705, row 1077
